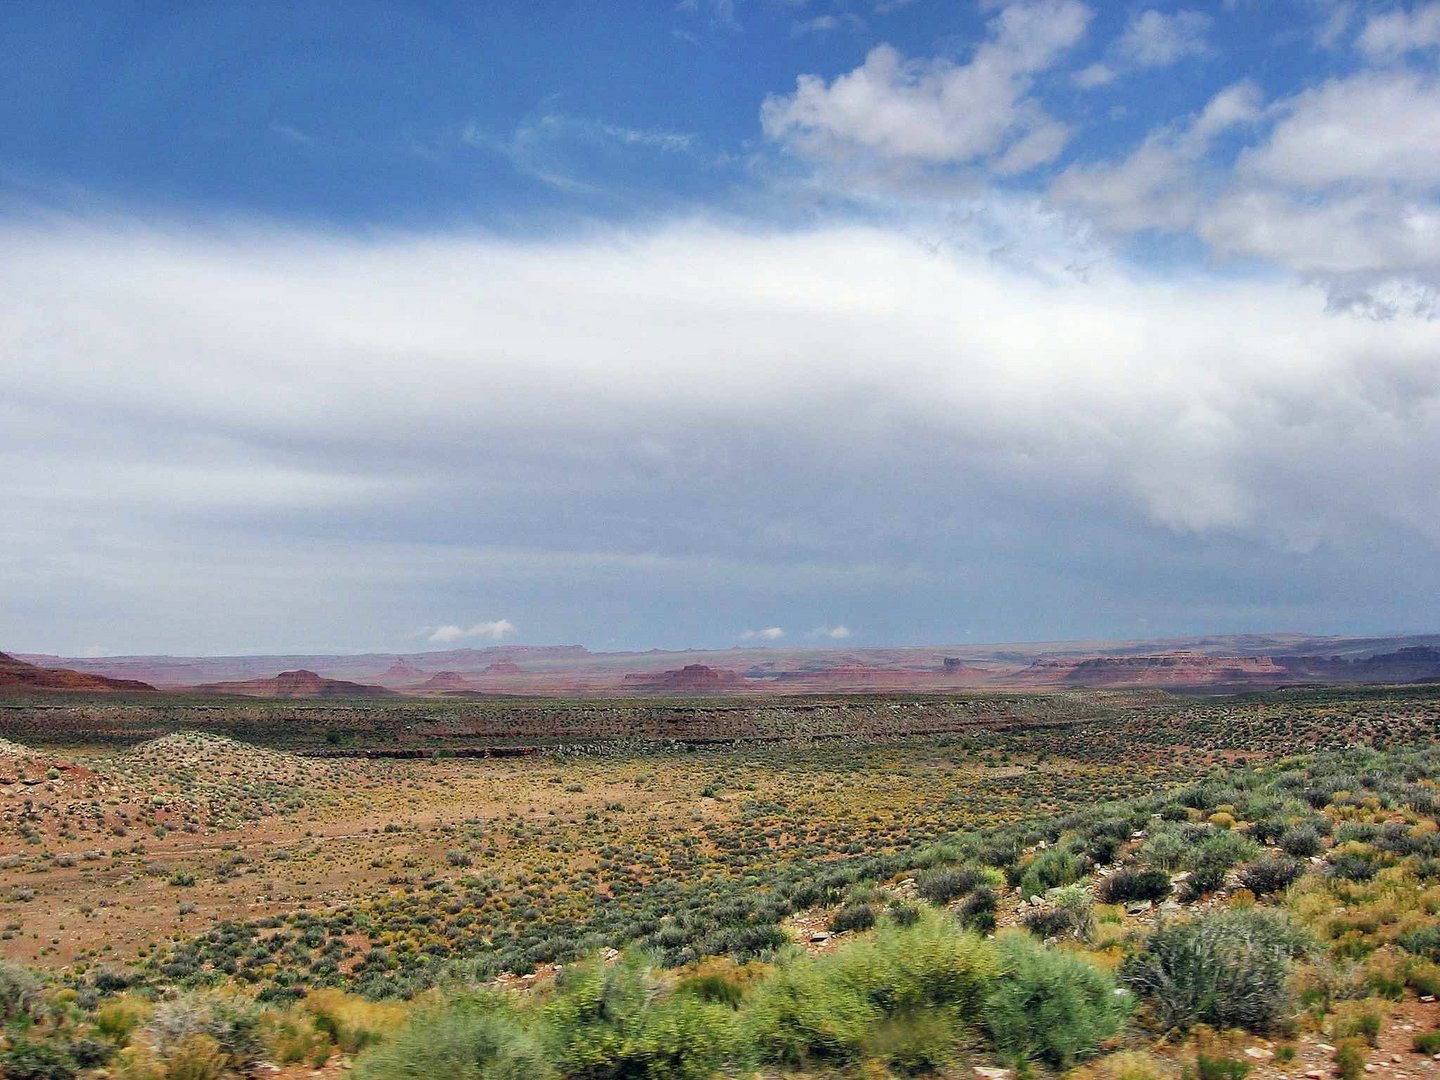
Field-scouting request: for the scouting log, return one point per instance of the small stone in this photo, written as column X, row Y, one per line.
column 1037, row 901
column 1396, row 1058
column 819, row 936
column 1259, row 1053
column 1369, row 1067
column 1427, row 997
column 1325, row 1048
column 1315, row 1074
column 986, row 1073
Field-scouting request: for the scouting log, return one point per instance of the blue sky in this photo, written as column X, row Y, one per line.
column 349, row 326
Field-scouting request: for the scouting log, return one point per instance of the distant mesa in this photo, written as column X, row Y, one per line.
column 444, row 680
column 296, row 684
column 402, row 671
column 16, row 676
column 691, row 679
column 1175, row 669
column 504, row 667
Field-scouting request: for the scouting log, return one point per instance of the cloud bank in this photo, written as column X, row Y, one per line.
column 587, row 431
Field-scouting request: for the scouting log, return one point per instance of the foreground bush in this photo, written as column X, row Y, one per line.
column 468, row 1038
column 827, row 1009
column 613, row 1022
column 1051, row 1005
column 1226, row 969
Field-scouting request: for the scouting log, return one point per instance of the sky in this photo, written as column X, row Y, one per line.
column 392, row 326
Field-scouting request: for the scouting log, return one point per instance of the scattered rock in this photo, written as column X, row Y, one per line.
column 1259, row 1053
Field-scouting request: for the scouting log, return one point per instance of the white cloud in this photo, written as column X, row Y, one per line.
column 826, row 24
column 770, row 633
column 1391, row 34
column 936, row 112
column 834, row 633
column 1340, row 186
column 1154, row 39
column 1377, row 128
column 497, row 630
column 1160, row 185
column 1096, row 74
column 479, row 422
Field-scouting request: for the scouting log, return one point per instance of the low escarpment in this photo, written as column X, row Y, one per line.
column 691, row 679
column 16, row 676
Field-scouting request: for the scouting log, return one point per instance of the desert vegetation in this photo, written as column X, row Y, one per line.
column 1045, row 896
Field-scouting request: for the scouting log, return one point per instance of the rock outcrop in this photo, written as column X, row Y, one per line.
column 691, row 679
column 16, row 676
column 296, row 684
column 1178, row 669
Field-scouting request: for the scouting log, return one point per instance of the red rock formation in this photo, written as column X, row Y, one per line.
column 18, row 677
column 504, row 667
column 402, row 671
column 444, row 680
column 691, row 679
column 1186, row 669
column 296, row 684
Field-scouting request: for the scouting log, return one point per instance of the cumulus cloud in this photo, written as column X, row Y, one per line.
column 1344, row 187
column 1372, row 128
column 1338, row 183
column 497, row 630
column 834, row 633
column 1391, row 34
column 1154, row 39
column 680, row 425
column 1160, row 185
column 933, row 111
column 770, row 633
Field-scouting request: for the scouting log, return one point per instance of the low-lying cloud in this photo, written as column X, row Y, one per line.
column 636, row 436
column 481, row 631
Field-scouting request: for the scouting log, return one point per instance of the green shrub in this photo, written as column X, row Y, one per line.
column 1427, row 1042
column 803, row 1015
column 468, row 1038
column 604, row 1022
column 853, row 917
column 827, row 1010
column 1220, row 1067
column 1265, row 876
column 945, row 884
column 1301, row 842
column 1356, row 1019
column 1129, row 884
column 1225, row 969
column 903, row 914
column 977, row 911
column 915, row 1043
column 19, row 991
column 1051, row 1005
column 1350, row 1057
column 352, row 1022
column 1052, row 868
column 38, row 1060
column 1165, row 850
column 1071, row 912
